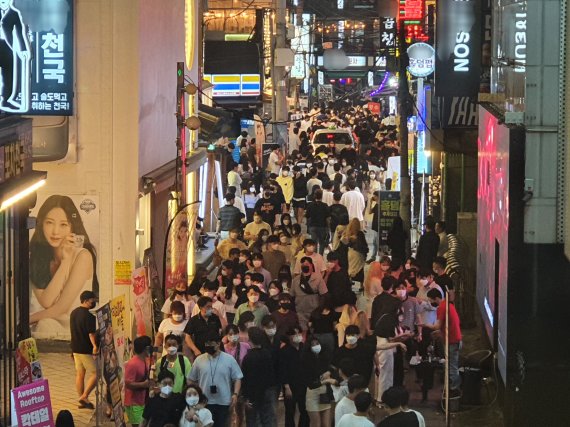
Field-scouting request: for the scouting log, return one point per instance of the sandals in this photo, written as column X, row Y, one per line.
column 85, row 404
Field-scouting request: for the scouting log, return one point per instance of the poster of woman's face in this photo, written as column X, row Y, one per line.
column 63, row 260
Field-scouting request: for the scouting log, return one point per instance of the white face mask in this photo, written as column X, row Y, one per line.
column 236, row 282
column 401, row 293
column 273, row 292
column 248, row 282
column 316, row 349
column 257, row 263
column 351, row 339
column 242, row 259
column 234, row 338
column 298, row 339
column 253, row 298
column 192, row 400
column 285, row 173
column 271, row 332
column 166, row 390
column 401, row 318
column 408, row 266
column 172, row 350
column 177, row 317
column 250, row 325
column 423, row 282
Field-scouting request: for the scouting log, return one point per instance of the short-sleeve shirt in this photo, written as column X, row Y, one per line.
column 203, row 414
column 230, row 218
column 220, row 371
column 179, row 375
column 454, row 326
column 318, row 262
column 317, row 213
column 351, row 420
column 268, row 208
column 401, row 419
column 258, row 313
column 136, row 370
column 160, row 411
column 198, row 328
column 82, row 323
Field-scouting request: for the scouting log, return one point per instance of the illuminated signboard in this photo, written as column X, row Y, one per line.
column 36, row 57
column 411, row 10
column 232, row 85
column 422, row 59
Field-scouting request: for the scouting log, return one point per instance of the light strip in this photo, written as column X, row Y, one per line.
column 22, row 194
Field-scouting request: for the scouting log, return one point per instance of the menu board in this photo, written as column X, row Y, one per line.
column 389, row 209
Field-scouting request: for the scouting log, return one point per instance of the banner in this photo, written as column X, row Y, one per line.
column 181, row 228
column 389, row 209
column 67, row 228
column 28, row 366
column 458, row 111
column 387, row 33
column 142, row 302
column 119, row 320
column 111, row 365
column 31, row 404
column 458, row 48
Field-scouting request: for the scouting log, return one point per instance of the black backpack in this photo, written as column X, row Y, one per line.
column 164, row 362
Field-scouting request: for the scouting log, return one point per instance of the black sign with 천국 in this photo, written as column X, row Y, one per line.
column 36, row 57
column 389, row 209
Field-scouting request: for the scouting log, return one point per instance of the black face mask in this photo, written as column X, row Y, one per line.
column 210, row 349
column 434, row 304
column 305, row 269
column 180, row 292
column 285, row 305
column 92, row 305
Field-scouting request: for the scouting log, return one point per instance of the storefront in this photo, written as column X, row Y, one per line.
column 18, row 183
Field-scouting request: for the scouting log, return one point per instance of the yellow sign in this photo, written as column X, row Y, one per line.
column 123, row 270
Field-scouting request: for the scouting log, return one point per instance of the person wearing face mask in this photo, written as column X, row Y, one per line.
column 285, row 181
column 309, row 248
column 196, row 414
column 275, row 290
column 260, row 245
column 267, row 207
column 372, row 231
column 219, row 375
column 356, row 384
column 443, row 279
column 228, row 296
column 137, row 380
column 338, row 282
column 360, row 351
column 385, row 302
column 307, row 289
column 174, row 324
column 229, row 218
column 285, row 247
column 290, row 375
column 285, row 316
column 200, row 325
column 233, row 345
column 180, row 293
column 176, row 363
column 259, row 382
column 257, row 262
column 316, row 373
column 329, row 168
column 252, row 229
column 165, row 407
column 286, row 226
column 253, row 304
column 84, row 345
column 210, row 290
column 231, row 242
column 300, row 193
column 273, row 258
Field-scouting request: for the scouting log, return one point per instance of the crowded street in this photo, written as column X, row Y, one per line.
column 284, row 213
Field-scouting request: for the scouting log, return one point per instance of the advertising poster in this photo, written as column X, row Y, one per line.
column 142, row 302
column 181, row 229
column 111, row 366
column 63, row 260
column 36, row 63
column 393, row 173
column 123, row 270
column 389, row 209
column 28, row 366
column 32, row 405
column 119, row 320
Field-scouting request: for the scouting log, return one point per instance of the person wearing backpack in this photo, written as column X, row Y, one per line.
column 176, row 363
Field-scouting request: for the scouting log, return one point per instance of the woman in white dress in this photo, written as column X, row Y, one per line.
column 62, row 265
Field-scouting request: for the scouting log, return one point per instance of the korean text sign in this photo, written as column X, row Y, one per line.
column 36, row 51
column 32, row 404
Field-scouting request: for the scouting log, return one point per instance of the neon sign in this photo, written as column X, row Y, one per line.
column 411, row 10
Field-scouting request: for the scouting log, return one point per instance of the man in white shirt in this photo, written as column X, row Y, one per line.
column 354, row 202
column 328, row 193
column 305, row 124
column 359, row 418
column 234, row 179
column 275, row 160
column 294, row 141
column 313, row 180
column 346, row 404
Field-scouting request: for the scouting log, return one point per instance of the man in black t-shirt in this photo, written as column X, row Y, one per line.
column 166, row 407
column 200, row 325
column 317, row 220
column 358, row 350
column 83, row 327
column 267, row 206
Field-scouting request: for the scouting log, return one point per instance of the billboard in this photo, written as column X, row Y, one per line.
column 36, row 57
column 63, row 260
column 230, row 85
column 458, row 48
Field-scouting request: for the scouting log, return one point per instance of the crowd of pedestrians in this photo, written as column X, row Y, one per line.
column 303, row 306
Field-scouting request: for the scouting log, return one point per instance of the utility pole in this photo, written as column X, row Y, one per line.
column 405, row 111
column 279, row 84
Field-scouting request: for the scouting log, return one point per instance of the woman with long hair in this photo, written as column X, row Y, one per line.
column 357, row 250
column 397, row 240
column 63, row 264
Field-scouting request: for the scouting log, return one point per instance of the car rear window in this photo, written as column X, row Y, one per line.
column 337, row 137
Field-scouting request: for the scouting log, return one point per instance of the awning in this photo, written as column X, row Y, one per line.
column 163, row 176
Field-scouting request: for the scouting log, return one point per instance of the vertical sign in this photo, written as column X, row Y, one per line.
column 387, row 33
column 389, row 209
column 32, row 404
column 36, row 57
column 458, row 48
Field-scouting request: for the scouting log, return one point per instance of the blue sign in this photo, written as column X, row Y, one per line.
column 36, row 57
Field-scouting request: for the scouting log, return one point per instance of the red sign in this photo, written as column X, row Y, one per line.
column 411, row 10
column 33, row 405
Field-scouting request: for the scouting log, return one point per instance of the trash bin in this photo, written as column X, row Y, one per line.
column 471, row 380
